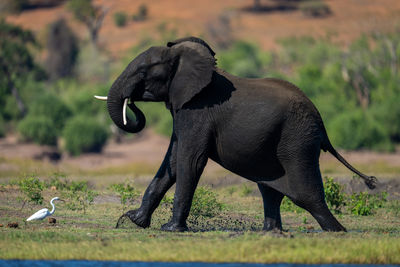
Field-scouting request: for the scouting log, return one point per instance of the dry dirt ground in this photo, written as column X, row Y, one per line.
column 349, row 19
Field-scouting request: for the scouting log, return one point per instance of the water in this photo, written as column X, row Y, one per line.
column 83, row 263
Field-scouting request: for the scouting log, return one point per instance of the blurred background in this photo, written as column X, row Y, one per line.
column 56, row 54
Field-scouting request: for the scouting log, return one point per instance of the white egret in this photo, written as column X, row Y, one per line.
column 43, row 213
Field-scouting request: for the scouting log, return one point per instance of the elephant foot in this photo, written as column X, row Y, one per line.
column 137, row 217
column 174, row 227
column 272, row 225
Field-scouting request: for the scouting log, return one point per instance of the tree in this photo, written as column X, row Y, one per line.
column 92, row 16
column 62, row 46
column 16, row 61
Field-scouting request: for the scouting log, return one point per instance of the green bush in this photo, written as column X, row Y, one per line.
column 364, row 204
column 58, row 180
column 2, row 127
column 288, row 206
column 157, row 116
column 126, row 192
column 358, row 130
column 120, row 19
column 205, row 204
column 334, row 196
column 38, row 129
column 78, row 196
column 244, row 59
column 52, row 107
column 83, row 134
column 32, row 188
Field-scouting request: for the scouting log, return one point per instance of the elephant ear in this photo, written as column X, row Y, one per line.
column 194, row 66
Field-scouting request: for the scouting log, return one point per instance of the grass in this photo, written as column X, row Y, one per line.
column 234, row 235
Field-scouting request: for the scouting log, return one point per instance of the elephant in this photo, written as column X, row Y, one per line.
column 265, row 130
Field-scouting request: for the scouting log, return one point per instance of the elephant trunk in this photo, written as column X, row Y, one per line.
column 117, row 101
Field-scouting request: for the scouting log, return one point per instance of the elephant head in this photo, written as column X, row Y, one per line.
column 173, row 74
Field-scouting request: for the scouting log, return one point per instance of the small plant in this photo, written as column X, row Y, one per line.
column 32, row 188
column 126, row 192
column 78, row 196
column 246, row 190
column 141, row 14
column 231, row 190
column 315, row 8
column 52, row 107
column 120, row 19
column 83, row 134
column 364, row 204
column 58, row 181
column 334, row 196
column 38, row 129
column 288, row 206
column 205, row 204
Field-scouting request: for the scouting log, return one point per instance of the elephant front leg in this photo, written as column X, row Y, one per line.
column 191, row 165
column 272, row 200
column 161, row 183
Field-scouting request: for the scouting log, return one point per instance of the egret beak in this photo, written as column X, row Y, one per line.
column 102, row 98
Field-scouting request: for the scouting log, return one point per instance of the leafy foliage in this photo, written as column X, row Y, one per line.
column 52, row 107
column 16, row 64
column 334, row 196
column 62, row 47
column 364, row 204
column 39, row 129
column 288, row 205
column 78, row 196
column 126, row 192
column 32, row 188
column 120, row 19
column 204, row 204
column 83, row 134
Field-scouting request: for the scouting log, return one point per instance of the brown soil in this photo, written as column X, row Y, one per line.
column 349, row 19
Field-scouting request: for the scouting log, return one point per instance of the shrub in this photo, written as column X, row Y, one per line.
column 158, row 117
column 315, row 8
column 83, row 134
column 364, row 204
column 53, row 108
column 205, row 204
column 2, row 126
column 244, row 59
column 357, row 130
column 141, row 14
column 126, row 192
column 38, row 129
column 78, row 195
column 246, row 190
column 58, row 180
column 289, row 206
column 120, row 19
column 32, row 188
column 62, row 47
column 334, row 196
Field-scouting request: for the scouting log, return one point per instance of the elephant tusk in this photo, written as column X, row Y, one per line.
column 124, row 110
column 103, row 98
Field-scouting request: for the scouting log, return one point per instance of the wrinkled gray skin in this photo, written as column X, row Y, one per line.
column 265, row 130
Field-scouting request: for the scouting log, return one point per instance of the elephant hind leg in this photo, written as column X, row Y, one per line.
column 320, row 211
column 305, row 188
column 272, row 201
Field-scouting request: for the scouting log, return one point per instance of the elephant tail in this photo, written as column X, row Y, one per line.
column 370, row 181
